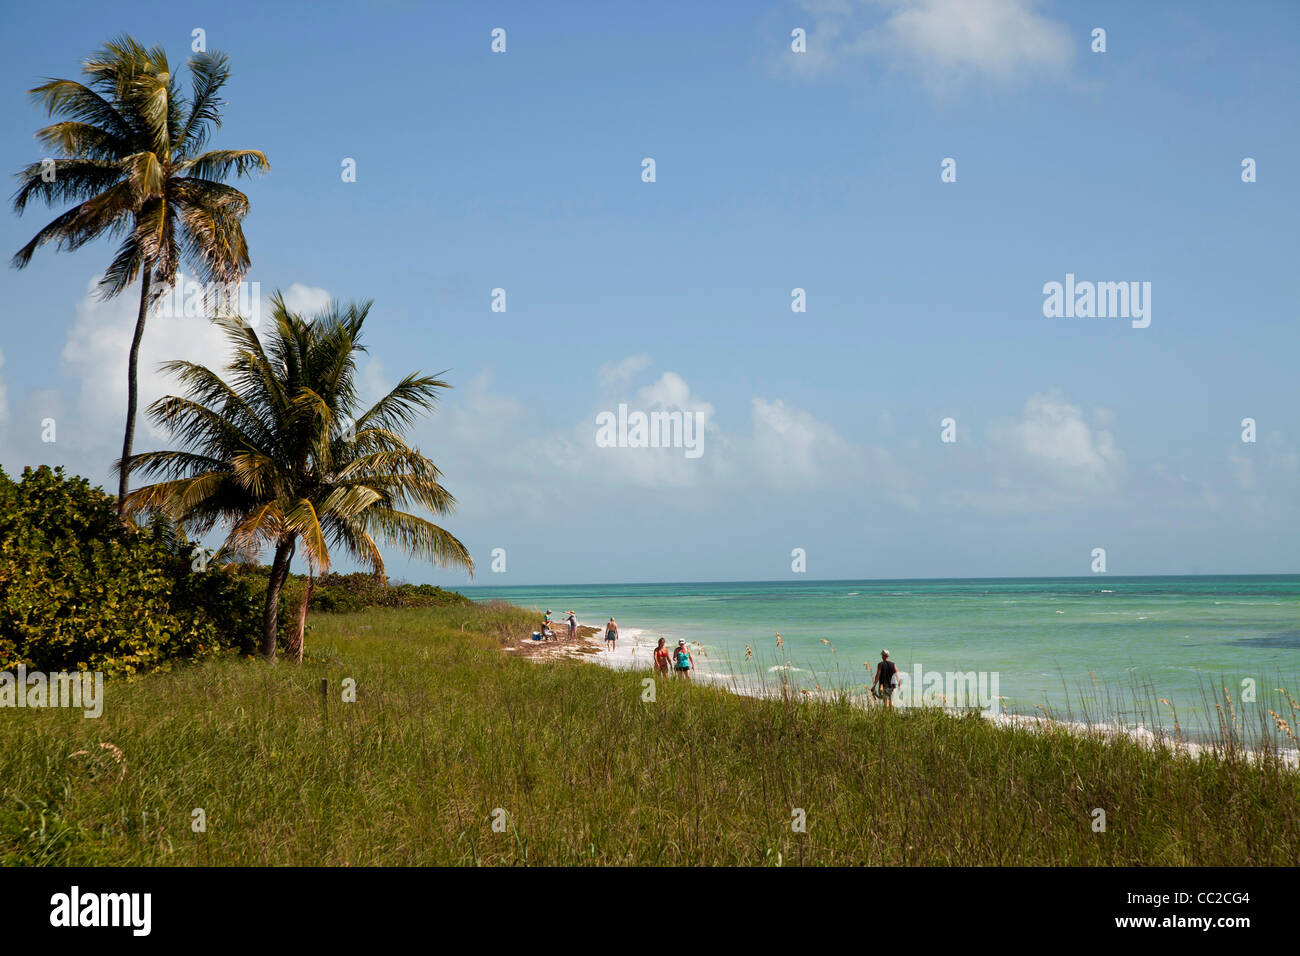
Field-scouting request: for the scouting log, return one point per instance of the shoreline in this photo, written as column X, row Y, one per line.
column 633, row 653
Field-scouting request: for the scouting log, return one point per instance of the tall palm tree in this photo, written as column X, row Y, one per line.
column 134, row 161
column 276, row 452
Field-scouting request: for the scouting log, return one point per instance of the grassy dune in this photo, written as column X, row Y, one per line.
column 446, row 728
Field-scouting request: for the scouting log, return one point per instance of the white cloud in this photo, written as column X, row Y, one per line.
column 98, row 346
column 476, row 414
column 672, row 392
column 947, row 43
column 304, row 298
column 793, row 447
column 1054, row 449
column 577, row 451
column 787, row 448
column 796, row 451
column 99, row 343
column 822, row 46
column 481, row 441
column 372, row 382
column 615, row 374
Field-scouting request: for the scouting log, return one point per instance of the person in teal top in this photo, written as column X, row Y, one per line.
column 682, row 661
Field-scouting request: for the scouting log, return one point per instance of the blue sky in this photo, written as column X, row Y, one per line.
column 774, row 171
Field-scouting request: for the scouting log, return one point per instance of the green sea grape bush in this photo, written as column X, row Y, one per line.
column 355, row 592
column 82, row 590
column 335, row 593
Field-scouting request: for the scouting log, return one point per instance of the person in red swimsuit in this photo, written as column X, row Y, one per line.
column 661, row 659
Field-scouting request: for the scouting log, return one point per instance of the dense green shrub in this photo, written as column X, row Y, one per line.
column 332, row 599
column 81, row 589
column 256, row 578
column 355, row 592
column 336, row 593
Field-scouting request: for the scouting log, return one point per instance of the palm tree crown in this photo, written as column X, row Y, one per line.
column 133, row 160
column 276, row 452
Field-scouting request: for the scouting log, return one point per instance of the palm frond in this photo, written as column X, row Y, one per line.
column 418, row 537
column 65, row 180
column 106, row 213
column 208, row 74
column 78, row 102
column 220, row 163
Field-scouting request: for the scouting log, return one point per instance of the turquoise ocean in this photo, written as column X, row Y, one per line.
column 1100, row 647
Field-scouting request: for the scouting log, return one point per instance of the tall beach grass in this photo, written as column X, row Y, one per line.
column 456, row 752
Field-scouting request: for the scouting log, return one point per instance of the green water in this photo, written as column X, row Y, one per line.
column 1072, row 645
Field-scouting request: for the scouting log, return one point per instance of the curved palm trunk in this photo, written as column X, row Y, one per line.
column 132, row 390
column 300, row 628
column 271, row 618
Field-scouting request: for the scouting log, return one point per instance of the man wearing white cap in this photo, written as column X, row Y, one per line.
column 887, row 678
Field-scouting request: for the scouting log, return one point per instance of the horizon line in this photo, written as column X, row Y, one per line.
column 1036, row 577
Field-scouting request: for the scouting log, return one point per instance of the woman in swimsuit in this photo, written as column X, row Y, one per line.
column 684, row 661
column 661, row 659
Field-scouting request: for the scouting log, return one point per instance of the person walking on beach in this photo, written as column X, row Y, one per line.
column 661, row 659
column 887, row 678
column 684, row 660
column 611, row 635
column 573, row 626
